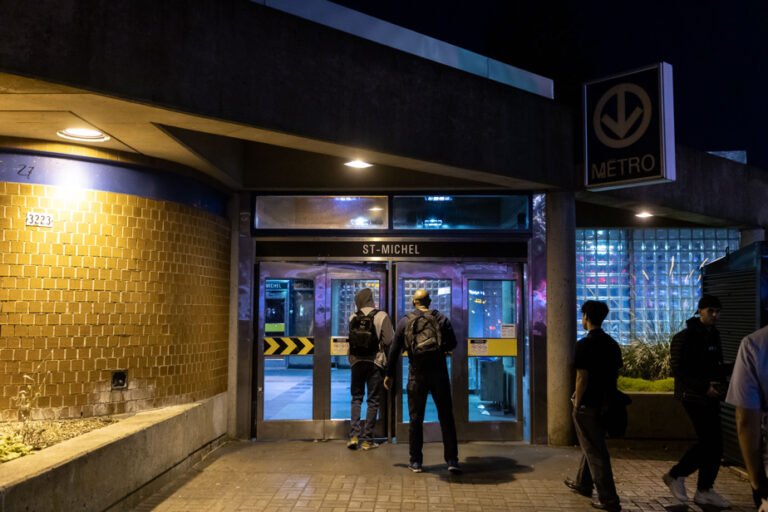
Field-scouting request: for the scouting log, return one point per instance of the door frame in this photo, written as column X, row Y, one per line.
column 460, row 273
column 320, row 426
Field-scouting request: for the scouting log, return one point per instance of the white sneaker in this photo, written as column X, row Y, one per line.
column 676, row 487
column 710, row 497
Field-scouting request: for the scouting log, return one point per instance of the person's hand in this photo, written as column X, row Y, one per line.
column 387, row 383
column 715, row 390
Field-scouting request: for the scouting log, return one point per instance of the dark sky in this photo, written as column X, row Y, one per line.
column 718, row 51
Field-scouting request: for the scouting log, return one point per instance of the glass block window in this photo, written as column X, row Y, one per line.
column 650, row 278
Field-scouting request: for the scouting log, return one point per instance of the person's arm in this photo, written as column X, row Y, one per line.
column 748, row 429
column 582, row 379
column 395, row 349
column 386, row 332
column 448, row 335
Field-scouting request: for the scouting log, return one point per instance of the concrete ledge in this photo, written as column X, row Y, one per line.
column 657, row 416
column 97, row 470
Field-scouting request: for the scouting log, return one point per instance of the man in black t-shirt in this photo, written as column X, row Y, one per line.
column 598, row 359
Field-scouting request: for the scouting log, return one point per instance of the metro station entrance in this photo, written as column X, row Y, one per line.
column 302, row 373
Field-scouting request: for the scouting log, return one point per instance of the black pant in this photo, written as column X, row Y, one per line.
column 432, row 379
column 595, row 467
column 364, row 373
column 705, row 455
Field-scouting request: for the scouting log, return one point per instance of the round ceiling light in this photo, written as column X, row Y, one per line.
column 644, row 215
column 358, row 164
column 83, row 135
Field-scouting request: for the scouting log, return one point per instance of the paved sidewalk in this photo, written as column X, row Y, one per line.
column 307, row 476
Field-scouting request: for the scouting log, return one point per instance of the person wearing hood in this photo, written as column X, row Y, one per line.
column 373, row 328
column 696, row 357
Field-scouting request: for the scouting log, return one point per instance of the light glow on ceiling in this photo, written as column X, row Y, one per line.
column 644, row 214
column 83, row 135
column 358, row 164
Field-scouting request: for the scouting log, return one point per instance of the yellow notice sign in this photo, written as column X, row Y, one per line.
column 492, row 347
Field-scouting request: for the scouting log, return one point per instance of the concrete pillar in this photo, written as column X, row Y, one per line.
column 561, row 314
column 750, row 236
column 240, row 367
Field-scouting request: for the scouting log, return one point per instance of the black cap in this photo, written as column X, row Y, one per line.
column 709, row 301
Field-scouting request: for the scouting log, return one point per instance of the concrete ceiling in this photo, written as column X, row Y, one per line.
column 235, row 155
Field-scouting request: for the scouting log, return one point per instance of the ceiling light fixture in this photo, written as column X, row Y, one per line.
column 644, row 215
column 83, row 135
column 358, row 164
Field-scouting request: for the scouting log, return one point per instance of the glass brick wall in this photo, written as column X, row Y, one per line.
column 650, row 278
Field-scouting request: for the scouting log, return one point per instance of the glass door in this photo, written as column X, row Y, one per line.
column 483, row 302
column 302, row 371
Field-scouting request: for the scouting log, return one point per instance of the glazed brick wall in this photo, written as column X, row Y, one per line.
column 119, row 282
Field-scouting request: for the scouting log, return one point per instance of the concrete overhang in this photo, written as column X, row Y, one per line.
column 217, row 86
column 236, row 155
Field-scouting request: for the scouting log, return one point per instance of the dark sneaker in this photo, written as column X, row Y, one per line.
column 369, row 445
column 352, row 444
column 610, row 507
column 577, row 488
column 415, row 467
column 453, row 466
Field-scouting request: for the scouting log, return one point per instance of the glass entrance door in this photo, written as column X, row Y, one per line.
column 483, row 302
column 302, row 371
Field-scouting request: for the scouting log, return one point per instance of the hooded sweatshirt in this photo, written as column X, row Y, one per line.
column 696, row 358
column 364, row 302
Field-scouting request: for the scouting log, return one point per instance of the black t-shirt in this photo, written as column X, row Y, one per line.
column 600, row 355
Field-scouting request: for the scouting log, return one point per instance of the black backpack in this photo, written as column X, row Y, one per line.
column 363, row 340
column 422, row 333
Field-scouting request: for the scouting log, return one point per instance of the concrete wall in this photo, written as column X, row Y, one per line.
column 657, row 416
column 99, row 469
column 119, row 282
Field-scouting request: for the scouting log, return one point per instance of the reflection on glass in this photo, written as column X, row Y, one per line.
column 321, row 212
column 440, row 292
column 342, row 307
column 493, row 379
column 509, row 213
column 289, row 312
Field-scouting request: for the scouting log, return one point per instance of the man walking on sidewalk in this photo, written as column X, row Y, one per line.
column 598, row 359
column 697, row 365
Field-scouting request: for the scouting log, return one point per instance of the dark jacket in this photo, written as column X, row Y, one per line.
column 696, row 357
column 425, row 362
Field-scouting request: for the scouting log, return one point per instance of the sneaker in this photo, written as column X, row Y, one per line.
column 710, row 497
column 453, row 466
column 572, row 485
column 415, row 467
column 610, row 507
column 369, row 445
column 352, row 444
column 676, row 486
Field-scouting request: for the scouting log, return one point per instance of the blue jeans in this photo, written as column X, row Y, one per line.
column 595, row 468
column 364, row 373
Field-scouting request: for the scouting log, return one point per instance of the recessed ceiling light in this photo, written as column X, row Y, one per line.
column 358, row 164
column 83, row 135
column 644, row 215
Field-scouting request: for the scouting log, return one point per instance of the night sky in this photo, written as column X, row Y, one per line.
column 718, row 51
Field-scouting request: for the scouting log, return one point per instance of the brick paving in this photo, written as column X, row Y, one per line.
column 327, row 477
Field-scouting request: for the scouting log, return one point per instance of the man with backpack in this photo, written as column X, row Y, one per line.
column 370, row 334
column 427, row 335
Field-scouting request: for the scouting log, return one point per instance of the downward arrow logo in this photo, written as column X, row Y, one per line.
column 622, row 125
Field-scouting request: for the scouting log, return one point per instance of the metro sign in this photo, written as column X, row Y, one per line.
column 629, row 129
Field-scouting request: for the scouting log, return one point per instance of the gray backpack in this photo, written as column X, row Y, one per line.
column 422, row 333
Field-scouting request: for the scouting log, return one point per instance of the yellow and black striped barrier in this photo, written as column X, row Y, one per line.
column 286, row 346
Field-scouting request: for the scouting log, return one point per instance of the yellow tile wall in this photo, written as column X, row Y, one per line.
column 119, row 282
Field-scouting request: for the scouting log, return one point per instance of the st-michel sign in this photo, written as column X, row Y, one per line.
column 629, row 129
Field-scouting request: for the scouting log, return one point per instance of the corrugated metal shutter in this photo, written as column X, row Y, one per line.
column 739, row 293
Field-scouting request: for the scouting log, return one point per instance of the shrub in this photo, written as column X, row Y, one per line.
column 647, row 360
